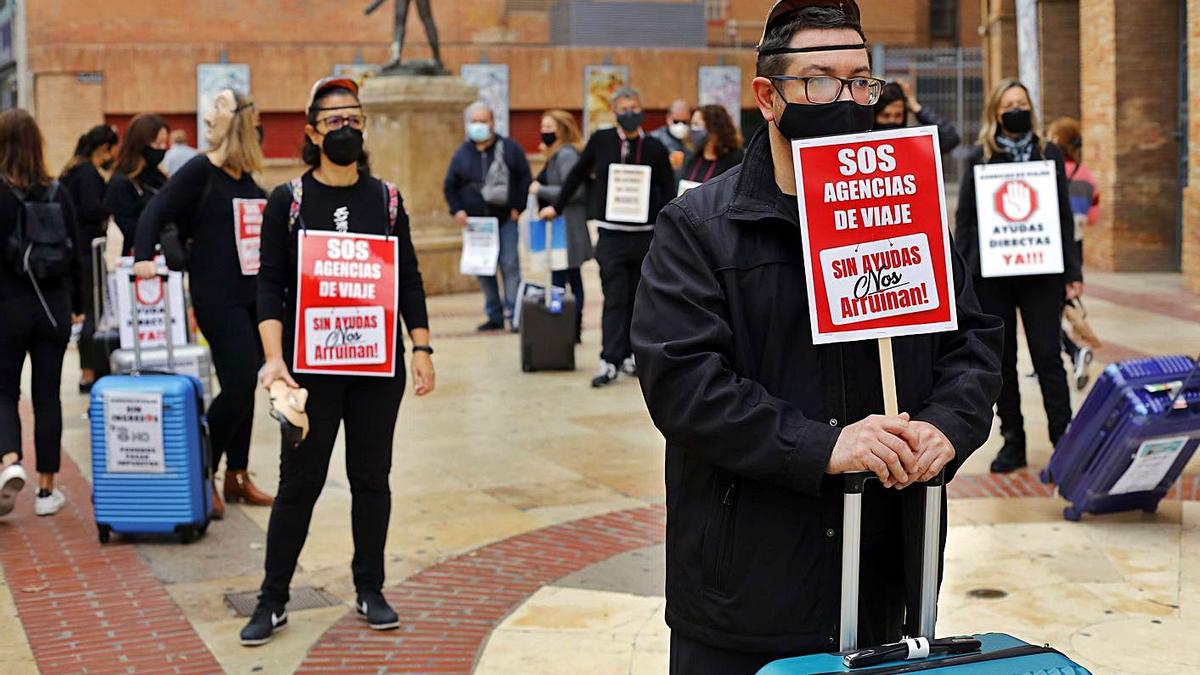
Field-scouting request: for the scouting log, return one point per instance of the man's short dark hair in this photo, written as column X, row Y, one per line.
column 780, row 35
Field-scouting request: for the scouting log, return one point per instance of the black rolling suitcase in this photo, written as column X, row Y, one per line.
column 106, row 339
column 548, row 327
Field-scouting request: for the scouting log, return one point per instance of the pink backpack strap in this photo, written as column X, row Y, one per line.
column 393, row 196
column 296, row 187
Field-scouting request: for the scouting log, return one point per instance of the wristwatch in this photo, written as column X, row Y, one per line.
column 423, row 348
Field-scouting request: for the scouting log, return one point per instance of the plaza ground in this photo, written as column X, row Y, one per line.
column 526, row 537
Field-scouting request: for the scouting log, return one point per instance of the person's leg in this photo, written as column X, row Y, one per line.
column 46, row 352
column 575, row 276
column 302, row 472
column 639, row 246
column 493, row 307
column 613, row 282
column 689, row 657
column 1041, row 314
column 371, row 409
column 431, row 34
column 232, row 337
column 238, row 485
column 510, row 264
column 85, row 346
column 995, row 298
column 14, row 342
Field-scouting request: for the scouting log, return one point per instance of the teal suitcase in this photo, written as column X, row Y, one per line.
column 997, row 654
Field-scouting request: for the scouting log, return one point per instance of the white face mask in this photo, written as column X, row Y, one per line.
column 679, row 130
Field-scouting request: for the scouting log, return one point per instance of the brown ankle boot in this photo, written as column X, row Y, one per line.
column 239, row 487
column 218, row 509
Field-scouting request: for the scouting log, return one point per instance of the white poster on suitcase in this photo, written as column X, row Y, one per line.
column 1150, row 465
column 133, row 432
column 151, row 312
column 1019, row 224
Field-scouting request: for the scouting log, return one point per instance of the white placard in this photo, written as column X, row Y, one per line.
column 247, row 232
column 150, row 308
column 1151, row 463
column 685, row 185
column 133, row 432
column 628, row 194
column 480, row 247
column 879, row 279
column 1020, row 230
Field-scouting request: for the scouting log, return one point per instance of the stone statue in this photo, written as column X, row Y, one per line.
column 396, row 65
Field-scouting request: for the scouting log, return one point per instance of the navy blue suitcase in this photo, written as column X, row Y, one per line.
column 150, row 455
column 1131, row 439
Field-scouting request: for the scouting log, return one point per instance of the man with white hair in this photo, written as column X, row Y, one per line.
column 489, row 176
column 632, row 168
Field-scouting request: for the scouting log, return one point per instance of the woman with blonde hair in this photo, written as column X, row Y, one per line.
column 1009, row 136
column 560, row 143
column 202, row 200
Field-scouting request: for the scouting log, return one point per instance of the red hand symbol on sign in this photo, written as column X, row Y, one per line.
column 1016, row 201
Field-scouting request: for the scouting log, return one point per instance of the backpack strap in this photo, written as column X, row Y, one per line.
column 391, row 195
column 296, row 187
column 52, row 191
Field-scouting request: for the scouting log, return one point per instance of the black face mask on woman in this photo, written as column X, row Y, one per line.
column 343, row 146
column 825, row 119
column 549, row 138
column 1017, row 121
column 153, row 156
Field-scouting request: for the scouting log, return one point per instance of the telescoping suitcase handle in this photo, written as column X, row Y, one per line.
column 852, row 556
column 168, row 322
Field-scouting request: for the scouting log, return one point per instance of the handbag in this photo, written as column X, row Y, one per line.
column 496, row 184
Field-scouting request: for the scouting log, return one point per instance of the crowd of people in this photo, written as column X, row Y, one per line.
column 698, row 312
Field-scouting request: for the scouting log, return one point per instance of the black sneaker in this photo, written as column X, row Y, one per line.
column 488, row 326
column 1011, row 457
column 263, row 623
column 374, row 609
column 606, row 376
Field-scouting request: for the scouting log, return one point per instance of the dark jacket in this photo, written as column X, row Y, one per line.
column 966, row 234
column 948, row 137
column 701, row 170
column 86, row 187
column 579, row 238
column 126, row 197
column 751, row 410
column 468, row 170
column 604, row 148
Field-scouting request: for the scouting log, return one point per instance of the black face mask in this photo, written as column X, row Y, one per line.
column 1017, row 121
column 826, row 119
column 891, row 126
column 258, row 128
column 107, row 164
column 153, row 156
column 630, row 121
column 548, row 138
column 344, row 146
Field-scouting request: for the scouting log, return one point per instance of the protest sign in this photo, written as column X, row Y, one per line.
column 480, row 247
column 247, row 232
column 628, row 193
column 876, row 242
column 346, row 304
column 557, row 231
column 151, row 314
column 1019, row 223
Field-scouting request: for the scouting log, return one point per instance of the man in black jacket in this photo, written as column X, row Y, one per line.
column 758, row 420
column 626, row 223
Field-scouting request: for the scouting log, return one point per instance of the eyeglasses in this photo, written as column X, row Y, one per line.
column 335, row 122
column 827, row 89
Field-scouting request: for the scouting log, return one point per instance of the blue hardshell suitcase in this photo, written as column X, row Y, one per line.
column 1131, row 439
column 158, row 481
column 995, row 654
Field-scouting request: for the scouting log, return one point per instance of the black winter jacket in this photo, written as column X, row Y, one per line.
column 966, row 234
column 751, row 410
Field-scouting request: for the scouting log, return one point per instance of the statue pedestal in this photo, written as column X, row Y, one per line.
column 414, row 125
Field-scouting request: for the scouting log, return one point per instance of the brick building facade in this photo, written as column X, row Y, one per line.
column 86, row 62
column 1121, row 68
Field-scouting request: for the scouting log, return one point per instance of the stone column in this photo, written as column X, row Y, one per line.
column 414, row 125
column 1130, row 95
column 1191, row 195
column 999, row 42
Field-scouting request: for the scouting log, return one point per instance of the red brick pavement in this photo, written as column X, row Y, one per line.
column 88, row 608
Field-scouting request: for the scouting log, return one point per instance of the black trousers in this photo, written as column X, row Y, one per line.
column 620, row 255
column 368, row 406
column 25, row 329
column 85, row 346
column 1039, row 299
column 689, row 657
column 572, row 279
column 232, row 334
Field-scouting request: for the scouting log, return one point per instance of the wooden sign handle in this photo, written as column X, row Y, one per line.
column 887, row 371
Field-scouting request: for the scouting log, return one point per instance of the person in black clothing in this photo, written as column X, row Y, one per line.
column 334, row 195
column 758, row 421
column 201, row 199
column 137, row 177
column 897, row 101
column 85, row 178
column 718, row 144
column 1008, row 136
column 37, row 314
column 623, row 241
column 487, row 160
